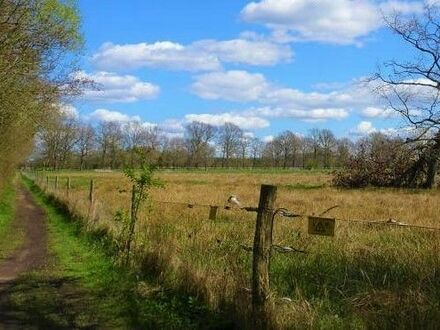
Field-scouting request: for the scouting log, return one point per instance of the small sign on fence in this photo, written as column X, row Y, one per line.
column 321, row 226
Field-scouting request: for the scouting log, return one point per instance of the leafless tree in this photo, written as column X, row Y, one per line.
column 85, row 143
column 109, row 137
column 198, row 136
column 229, row 137
column 327, row 143
column 412, row 87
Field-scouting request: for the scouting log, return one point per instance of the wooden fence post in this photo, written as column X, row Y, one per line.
column 261, row 302
column 47, row 183
column 91, row 214
column 92, row 192
column 56, row 182
column 213, row 212
column 68, row 186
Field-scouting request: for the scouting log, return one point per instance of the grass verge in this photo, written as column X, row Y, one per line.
column 10, row 239
column 83, row 287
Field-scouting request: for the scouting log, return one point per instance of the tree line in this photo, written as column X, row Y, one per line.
column 373, row 160
column 68, row 142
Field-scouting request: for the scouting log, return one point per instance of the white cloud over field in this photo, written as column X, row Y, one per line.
column 112, row 87
column 330, row 21
column 204, row 55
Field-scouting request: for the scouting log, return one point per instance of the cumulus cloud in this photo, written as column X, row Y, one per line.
column 113, row 116
column 268, row 138
column 69, row 111
column 331, row 21
column 231, row 85
column 375, row 112
column 111, row 87
column 203, row 55
column 310, row 115
column 172, row 126
column 276, row 101
column 242, row 51
column 244, row 122
column 364, row 128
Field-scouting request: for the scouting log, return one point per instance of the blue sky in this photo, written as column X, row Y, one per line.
column 266, row 66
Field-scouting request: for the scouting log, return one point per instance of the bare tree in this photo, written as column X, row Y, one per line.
column 327, row 143
column 412, row 88
column 198, row 137
column 229, row 142
column 109, row 136
column 85, row 143
column 257, row 147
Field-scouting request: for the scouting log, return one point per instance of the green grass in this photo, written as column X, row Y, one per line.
column 10, row 239
column 302, row 186
column 84, row 287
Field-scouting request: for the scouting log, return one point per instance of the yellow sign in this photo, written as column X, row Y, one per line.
column 321, row 226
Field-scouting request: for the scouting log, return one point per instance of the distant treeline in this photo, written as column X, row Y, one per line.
column 72, row 143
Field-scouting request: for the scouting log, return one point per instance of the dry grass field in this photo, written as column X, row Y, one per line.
column 367, row 276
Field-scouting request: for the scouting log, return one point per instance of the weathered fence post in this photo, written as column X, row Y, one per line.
column 261, row 304
column 68, row 186
column 213, row 212
column 91, row 192
column 47, row 183
column 56, row 182
column 91, row 214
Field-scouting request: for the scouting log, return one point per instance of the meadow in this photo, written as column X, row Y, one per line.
column 366, row 276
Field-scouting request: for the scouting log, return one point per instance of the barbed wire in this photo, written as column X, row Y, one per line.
column 286, row 213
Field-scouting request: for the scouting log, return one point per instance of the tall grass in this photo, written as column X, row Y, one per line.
column 364, row 277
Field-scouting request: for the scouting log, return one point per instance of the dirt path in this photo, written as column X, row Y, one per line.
column 32, row 253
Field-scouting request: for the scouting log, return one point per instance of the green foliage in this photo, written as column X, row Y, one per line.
column 64, row 18
column 143, row 181
column 144, row 178
column 38, row 46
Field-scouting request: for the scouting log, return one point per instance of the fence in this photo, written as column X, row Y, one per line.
column 263, row 246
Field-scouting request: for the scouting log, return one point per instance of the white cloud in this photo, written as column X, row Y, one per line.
column 203, row 55
column 314, row 114
column 231, row 85
column 113, row 116
column 244, row 122
column 69, row 111
column 374, row 112
column 111, row 87
column 364, row 128
column 268, row 138
column 252, row 52
column 276, row 101
column 332, row 21
column 173, row 126
column 163, row 54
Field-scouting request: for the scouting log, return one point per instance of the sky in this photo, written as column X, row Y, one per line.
column 266, row 66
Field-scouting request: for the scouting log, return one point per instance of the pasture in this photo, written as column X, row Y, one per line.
column 367, row 275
